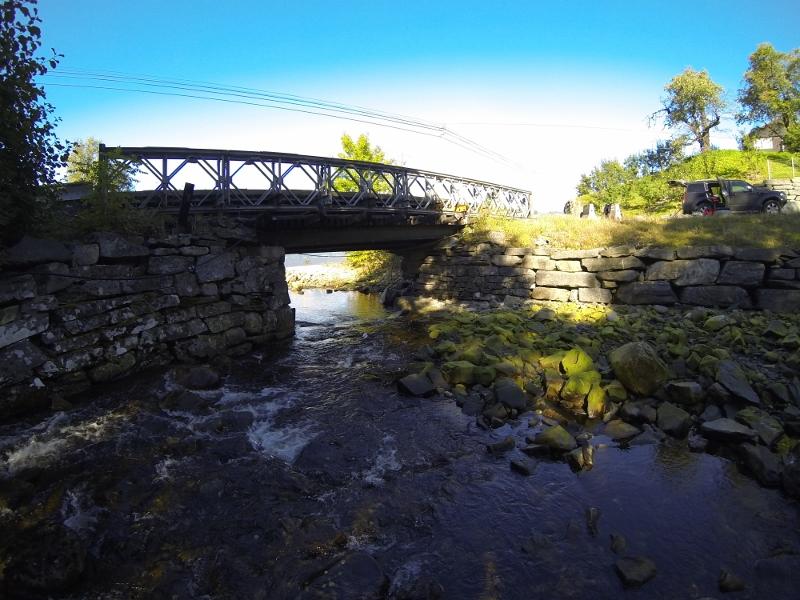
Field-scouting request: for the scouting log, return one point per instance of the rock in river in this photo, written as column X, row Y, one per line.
column 416, row 384
column 763, row 464
column 675, row 421
column 620, row 430
column 556, row 438
column 635, row 570
column 638, row 367
column 733, row 379
column 727, row 430
column 509, row 393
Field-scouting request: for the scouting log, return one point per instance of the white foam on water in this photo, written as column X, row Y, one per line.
column 405, row 575
column 76, row 515
column 284, row 442
column 385, row 461
column 163, row 469
column 42, row 448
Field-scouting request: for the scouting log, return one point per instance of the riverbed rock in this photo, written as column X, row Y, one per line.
column 673, row 420
column 200, row 378
column 620, row 430
column 581, row 458
column 635, row 570
column 733, row 379
column 508, row 392
column 416, row 384
column 357, row 575
column 776, row 574
column 459, row 371
column 501, row 447
column 46, row 561
column 618, row 543
column 768, row 428
column 727, row 430
column 556, row 438
column 576, row 361
column 638, row 367
column 728, row 582
column 685, row 392
column 524, row 466
column 764, row 465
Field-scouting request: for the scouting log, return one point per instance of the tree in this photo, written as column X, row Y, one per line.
column 692, row 106
column 771, row 93
column 666, row 154
column 607, row 182
column 361, row 149
column 30, row 152
column 82, row 160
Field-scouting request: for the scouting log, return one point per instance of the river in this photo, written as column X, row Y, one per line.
column 306, row 475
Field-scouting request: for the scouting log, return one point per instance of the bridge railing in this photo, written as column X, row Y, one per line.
column 262, row 181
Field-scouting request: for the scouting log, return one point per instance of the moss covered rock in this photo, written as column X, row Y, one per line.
column 576, row 361
column 459, row 371
column 638, row 367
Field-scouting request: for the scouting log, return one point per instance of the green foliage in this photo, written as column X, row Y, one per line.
column 82, row 160
column 373, row 265
column 692, row 106
column 30, row 152
column 107, row 207
column 361, row 149
column 771, row 92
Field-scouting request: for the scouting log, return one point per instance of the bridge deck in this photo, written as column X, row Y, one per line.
column 293, row 185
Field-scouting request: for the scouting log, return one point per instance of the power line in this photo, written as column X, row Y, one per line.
column 280, row 101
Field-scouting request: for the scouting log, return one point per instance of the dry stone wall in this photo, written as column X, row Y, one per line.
column 790, row 187
column 76, row 314
column 721, row 276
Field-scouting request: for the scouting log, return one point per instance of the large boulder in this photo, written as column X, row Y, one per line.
column 638, row 367
column 416, row 384
column 768, row 428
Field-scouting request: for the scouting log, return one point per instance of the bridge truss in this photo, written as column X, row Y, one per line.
column 293, row 185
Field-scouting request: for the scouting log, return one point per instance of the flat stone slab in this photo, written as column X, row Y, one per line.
column 566, row 280
column 724, row 296
column 646, row 292
column 744, row 273
column 784, row 301
column 727, row 430
column 702, row 271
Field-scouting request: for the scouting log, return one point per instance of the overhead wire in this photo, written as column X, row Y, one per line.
column 275, row 100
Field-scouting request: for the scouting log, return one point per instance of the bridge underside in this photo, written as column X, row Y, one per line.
column 321, row 238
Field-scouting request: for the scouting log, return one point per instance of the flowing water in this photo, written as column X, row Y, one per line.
column 306, row 475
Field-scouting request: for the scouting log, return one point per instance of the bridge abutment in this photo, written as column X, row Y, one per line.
column 76, row 314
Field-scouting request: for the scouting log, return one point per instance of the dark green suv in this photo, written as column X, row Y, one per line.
column 707, row 196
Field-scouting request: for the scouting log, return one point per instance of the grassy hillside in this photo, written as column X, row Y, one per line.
column 653, row 195
column 564, row 231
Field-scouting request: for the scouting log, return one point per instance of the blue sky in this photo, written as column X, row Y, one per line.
column 556, row 87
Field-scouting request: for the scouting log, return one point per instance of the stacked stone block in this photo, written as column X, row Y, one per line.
column 76, row 314
column 699, row 275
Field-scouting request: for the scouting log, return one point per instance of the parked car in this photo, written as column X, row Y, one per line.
column 706, row 196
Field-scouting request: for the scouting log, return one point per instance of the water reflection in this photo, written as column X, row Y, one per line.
column 318, row 306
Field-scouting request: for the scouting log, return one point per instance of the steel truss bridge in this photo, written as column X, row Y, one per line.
column 273, row 182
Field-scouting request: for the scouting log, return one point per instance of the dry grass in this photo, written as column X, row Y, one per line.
column 563, row 231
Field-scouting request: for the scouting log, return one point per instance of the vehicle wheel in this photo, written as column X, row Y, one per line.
column 771, row 207
column 703, row 209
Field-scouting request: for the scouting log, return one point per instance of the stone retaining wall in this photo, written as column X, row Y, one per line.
column 791, row 187
column 719, row 275
column 75, row 314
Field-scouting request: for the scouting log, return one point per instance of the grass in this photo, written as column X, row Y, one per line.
column 564, row 231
